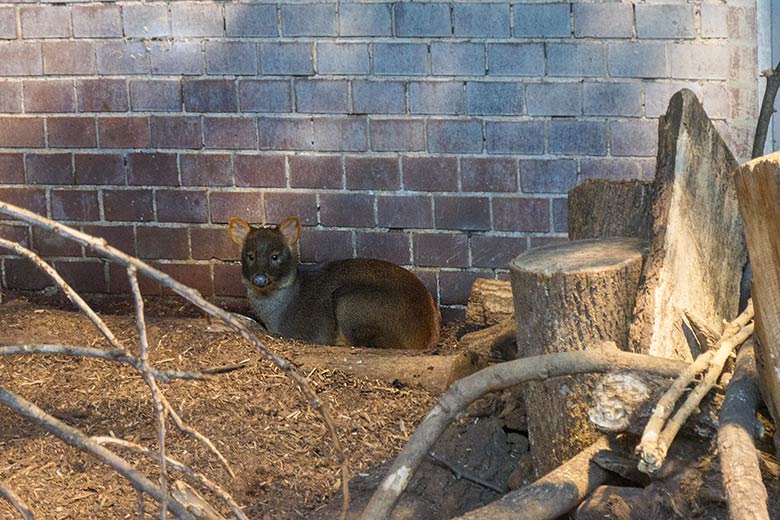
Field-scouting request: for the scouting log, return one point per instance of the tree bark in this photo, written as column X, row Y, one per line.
column 567, row 295
column 697, row 251
column 758, row 189
column 490, row 302
column 603, row 208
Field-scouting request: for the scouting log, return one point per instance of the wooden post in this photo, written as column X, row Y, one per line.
column 758, row 191
column 566, row 296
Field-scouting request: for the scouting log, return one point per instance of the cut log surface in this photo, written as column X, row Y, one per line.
column 490, row 302
column 697, row 252
column 569, row 295
column 603, row 208
column 758, row 189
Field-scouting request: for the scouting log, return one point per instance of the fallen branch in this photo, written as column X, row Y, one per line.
column 552, row 495
column 77, row 439
column 194, row 297
column 767, row 109
column 657, row 438
column 462, row 473
column 12, row 498
column 498, row 377
column 745, row 491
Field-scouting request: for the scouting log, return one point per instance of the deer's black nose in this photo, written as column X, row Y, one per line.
column 260, row 280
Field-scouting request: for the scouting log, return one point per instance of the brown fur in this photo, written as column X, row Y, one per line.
column 360, row 302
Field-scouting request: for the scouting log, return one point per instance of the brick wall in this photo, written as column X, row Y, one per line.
column 442, row 136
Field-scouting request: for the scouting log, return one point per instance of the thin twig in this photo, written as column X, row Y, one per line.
column 159, row 408
column 72, row 295
column 463, row 473
column 141, row 503
column 178, row 466
column 194, row 297
column 77, row 439
column 497, row 377
column 767, row 109
column 12, row 498
column 656, row 437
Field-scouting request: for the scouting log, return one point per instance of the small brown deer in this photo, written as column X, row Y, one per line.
column 361, row 302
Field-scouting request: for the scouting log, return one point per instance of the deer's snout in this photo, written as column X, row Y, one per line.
column 260, row 280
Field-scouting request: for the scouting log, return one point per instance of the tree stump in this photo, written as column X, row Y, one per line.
column 570, row 296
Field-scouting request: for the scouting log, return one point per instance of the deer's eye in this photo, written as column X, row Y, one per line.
column 250, row 256
column 275, row 257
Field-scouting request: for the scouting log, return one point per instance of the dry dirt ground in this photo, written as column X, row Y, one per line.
column 278, row 447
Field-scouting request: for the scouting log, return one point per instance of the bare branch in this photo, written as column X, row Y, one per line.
column 767, row 109
column 18, row 504
column 77, row 439
column 72, row 295
column 194, row 297
column 745, row 491
column 462, row 473
column 497, row 377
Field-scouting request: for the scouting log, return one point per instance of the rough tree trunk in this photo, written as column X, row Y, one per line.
column 569, row 296
column 758, row 189
column 697, row 251
column 603, row 208
column 490, row 302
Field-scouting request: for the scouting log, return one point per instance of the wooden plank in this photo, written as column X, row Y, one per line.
column 697, row 251
column 758, row 190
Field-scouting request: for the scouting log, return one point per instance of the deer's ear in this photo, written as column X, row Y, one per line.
column 290, row 228
column 238, row 230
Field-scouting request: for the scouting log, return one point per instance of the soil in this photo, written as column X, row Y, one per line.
column 277, row 446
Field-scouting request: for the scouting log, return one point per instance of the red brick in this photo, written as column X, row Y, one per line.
column 279, row 206
column 439, row 250
column 84, row 276
column 162, row 242
column 120, row 237
column 152, row 169
column 23, row 274
column 48, row 96
column 210, row 95
column 50, row 168
column 99, row 168
column 7, row 23
column 404, row 211
column 496, row 252
column 206, row 170
column 384, row 245
column 74, row 205
column 560, row 208
column 315, row 171
column 182, row 206
column 102, row 95
column 176, row 132
column 20, row 59
column 128, row 205
column 69, row 57
column 45, row 21
column 246, row 205
column 119, row 284
column 96, row 21
column 464, row 213
column 347, row 209
column 546, row 240
column 259, row 170
column 521, row 214
column 430, row 173
column 227, row 280
column 213, row 244
column 10, row 97
column 123, row 132
column 197, row 276
column 33, row 199
column 455, row 286
column 232, row 133
column 11, row 168
column 18, row 234
column 21, row 132
column 371, row 173
column 323, row 246
column 48, row 243
column 71, row 132
column 156, row 95
column 491, row 175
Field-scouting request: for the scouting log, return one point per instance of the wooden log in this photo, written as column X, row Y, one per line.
column 552, row 495
column 496, row 343
column 697, row 252
column 490, row 302
column 758, row 190
column 568, row 295
column 603, row 208
column 432, row 372
column 613, row 502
